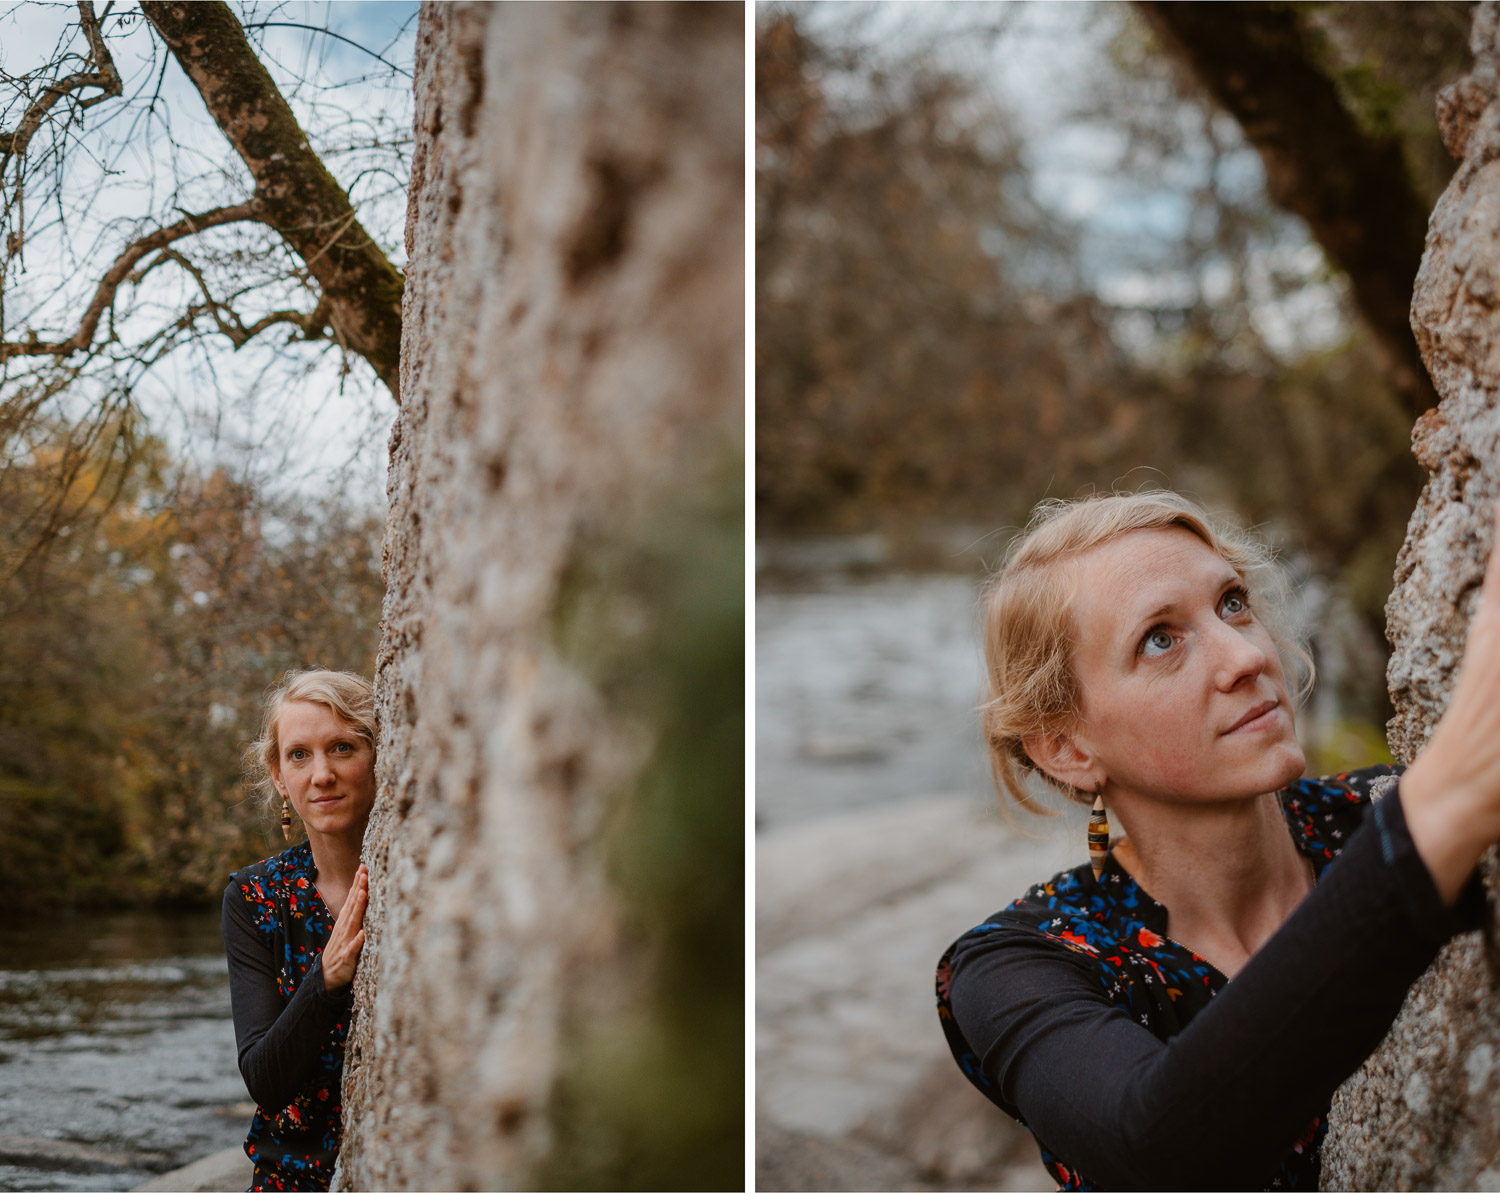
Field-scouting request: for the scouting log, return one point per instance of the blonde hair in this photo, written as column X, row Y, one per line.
column 1028, row 627
column 348, row 694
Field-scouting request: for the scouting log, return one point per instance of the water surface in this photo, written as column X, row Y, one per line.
column 865, row 692
column 115, row 1033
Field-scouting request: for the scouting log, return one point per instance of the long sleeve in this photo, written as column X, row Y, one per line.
column 1222, row 1102
column 279, row 1041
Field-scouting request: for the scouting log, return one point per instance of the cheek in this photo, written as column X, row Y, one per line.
column 1154, row 736
column 1165, row 762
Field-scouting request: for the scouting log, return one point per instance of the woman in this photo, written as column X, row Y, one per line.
column 293, row 923
column 1192, row 1037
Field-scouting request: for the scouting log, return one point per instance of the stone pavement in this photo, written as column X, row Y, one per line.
column 222, row 1172
column 855, row 1084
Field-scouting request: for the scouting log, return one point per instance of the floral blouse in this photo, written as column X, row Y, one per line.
column 289, row 1030
column 1043, row 1004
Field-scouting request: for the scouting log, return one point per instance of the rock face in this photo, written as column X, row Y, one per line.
column 1424, row 1112
column 572, row 385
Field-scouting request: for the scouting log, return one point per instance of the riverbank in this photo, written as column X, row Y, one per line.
column 855, row 1087
column 226, row 1171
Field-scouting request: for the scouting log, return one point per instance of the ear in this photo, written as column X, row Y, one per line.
column 1060, row 754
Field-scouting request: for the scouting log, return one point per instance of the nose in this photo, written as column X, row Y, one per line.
column 322, row 770
column 1238, row 654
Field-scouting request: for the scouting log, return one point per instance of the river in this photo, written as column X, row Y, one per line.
column 115, row 1034
column 865, row 692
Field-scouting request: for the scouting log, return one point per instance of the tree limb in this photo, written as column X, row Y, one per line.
column 312, row 323
column 120, row 271
column 1351, row 186
column 105, row 77
column 296, row 194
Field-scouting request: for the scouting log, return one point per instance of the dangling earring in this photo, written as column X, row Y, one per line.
column 286, row 818
column 1098, row 833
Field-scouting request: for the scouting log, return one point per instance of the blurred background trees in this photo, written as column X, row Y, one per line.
column 980, row 283
column 133, row 653
column 199, row 320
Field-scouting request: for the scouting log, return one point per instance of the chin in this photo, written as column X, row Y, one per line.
column 1291, row 764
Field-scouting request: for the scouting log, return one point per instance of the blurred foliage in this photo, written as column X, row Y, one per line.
column 1345, row 740
column 653, row 1094
column 934, row 344
column 143, row 611
column 1389, row 60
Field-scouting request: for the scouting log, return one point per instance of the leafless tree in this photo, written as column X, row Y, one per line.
column 133, row 243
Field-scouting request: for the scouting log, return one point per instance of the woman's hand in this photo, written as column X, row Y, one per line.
column 1451, row 793
column 341, row 953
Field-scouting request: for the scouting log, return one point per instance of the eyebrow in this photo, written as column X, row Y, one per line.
column 1142, row 624
column 334, row 740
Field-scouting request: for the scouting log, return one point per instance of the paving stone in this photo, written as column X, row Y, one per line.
column 853, row 911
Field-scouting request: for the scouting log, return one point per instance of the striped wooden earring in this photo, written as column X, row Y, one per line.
column 286, row 819
column 1098, row 834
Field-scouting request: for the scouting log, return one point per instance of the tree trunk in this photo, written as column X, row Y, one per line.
column 559, row 680
column 1351, row 186
column 1424, row 1111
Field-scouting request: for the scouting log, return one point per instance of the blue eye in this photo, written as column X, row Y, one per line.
column 1235, row 602
column 1156, row 643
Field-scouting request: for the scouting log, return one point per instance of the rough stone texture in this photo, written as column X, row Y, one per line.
column 572, row 349
column 1424, row 1111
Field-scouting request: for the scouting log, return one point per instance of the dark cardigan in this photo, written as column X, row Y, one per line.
column 288, row 1029
column 1138, row 1065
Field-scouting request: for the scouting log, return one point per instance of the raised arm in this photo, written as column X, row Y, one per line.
column 279, row 1041
column 1222, row 1103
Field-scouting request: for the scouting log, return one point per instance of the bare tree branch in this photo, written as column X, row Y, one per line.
column 313, row 324
column 295, row 193
column 120, row 271
column 380, row 58
column 105, row 77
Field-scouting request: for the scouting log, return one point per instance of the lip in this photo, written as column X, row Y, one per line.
column 326, row 799
column 1259, row 717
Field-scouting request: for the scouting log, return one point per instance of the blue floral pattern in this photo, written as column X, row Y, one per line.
column 1162, row 984
column 295, row 1146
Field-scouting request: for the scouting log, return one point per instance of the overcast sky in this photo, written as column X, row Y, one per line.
column 315, row 429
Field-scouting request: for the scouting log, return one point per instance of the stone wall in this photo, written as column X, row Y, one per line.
column 1424, row 1111
column 571, row 367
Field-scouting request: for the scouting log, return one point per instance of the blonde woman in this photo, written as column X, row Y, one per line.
column 1181, row 1017
column 293, row 923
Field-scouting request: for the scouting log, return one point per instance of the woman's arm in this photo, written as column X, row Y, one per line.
column 1221, row 1104
column 279, row 1042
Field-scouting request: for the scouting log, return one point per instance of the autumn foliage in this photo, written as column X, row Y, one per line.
column 143, row 610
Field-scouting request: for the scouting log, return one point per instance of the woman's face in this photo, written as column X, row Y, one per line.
column 325, row 768
column 1182, row 693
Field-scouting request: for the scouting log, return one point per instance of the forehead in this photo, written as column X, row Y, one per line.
column 306, row 720
column 1130, row 578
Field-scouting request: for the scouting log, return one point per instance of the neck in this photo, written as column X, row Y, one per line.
column 1227, row 872
column 337, row 858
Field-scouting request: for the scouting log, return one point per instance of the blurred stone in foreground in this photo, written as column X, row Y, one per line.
column 551, row 994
